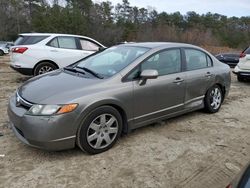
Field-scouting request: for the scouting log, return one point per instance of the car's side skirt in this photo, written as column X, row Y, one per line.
column 194, row 102
column 163, row 117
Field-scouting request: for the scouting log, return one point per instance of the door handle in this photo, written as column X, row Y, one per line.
column 53, row 50
column 208, row 74
column 178, row 80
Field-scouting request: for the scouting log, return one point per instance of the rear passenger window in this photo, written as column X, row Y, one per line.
column 196, row 59
column 54, row 43
column 88, row 45
column 67, row 42
column 209, row 61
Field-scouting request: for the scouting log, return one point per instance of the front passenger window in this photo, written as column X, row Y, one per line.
column 165, row 62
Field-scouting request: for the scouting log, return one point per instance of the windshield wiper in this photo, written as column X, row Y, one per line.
column 71, row 69
column 90, row 71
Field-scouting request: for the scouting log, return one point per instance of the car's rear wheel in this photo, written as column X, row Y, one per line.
column 44, row 67
column 100, row 130
column 240, row 78
column 1, row 53
column 213, row 99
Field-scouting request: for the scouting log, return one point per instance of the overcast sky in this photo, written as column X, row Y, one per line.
column 230, row 8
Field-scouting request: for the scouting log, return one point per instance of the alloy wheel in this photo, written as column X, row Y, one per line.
column 215, row 98
column 102, row 131
column 45, row 69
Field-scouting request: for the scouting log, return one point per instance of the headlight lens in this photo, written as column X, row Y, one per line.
column 45, row 110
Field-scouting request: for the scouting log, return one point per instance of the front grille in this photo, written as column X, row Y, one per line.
column 22, row 102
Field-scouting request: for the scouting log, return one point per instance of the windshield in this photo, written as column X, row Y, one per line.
column 112, row 60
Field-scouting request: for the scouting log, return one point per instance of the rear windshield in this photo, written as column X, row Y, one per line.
column 247, row 51
column 26, row 40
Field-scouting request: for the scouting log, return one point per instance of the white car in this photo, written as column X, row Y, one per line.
column 4, row 49
column 242, row 70
column 38, row 53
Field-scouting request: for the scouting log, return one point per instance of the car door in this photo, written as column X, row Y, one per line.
column 200, row 75
column 64, row 50
column 161, row 96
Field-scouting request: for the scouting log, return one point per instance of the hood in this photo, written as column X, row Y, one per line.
column 57, row 87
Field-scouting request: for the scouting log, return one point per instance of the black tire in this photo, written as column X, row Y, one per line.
column 210, row 105
column 85, row 129
column 1, row 53
column 44, row 67
column 240, row 78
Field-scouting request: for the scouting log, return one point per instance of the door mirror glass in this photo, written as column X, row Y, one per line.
column 101, row 49
column 149, row 74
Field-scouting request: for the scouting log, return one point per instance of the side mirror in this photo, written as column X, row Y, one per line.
column 101, row 49
column 149, row 74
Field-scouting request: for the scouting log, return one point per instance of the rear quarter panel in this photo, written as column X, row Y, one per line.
column 222, row 75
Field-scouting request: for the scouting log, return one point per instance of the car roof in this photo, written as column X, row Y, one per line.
column 51, row 34
column 59, row 34
column 159, row 44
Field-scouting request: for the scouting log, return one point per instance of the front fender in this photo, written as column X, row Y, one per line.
column 95, row 104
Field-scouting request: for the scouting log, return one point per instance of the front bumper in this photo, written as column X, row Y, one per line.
column 25, row 71
column 45, row 132
column 241, row 72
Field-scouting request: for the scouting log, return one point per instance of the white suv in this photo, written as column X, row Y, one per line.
column 37, row 53
column 242, row 70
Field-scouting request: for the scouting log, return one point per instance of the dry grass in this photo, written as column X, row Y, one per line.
column 220, row 49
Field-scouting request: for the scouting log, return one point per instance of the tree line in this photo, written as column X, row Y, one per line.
column 109, row 23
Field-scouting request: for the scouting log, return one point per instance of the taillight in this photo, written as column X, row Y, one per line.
column 20, row 50
column 242, row 55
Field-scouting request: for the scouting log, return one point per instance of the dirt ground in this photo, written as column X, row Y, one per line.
column 196, row 150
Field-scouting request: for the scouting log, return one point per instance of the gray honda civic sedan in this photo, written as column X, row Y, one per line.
column 90, row 103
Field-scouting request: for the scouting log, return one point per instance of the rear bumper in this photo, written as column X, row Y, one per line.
column 25, row 71
column 241, row 72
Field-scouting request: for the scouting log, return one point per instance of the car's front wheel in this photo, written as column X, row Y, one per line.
column 213, row 99
column 1, row 53
column 44, row 67
column 100, row 130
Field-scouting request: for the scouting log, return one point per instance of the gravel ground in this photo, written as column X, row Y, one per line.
column 195, row 150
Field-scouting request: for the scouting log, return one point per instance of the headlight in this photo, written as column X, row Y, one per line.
column 46, row 110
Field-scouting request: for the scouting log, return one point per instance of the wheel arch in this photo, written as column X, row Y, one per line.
column 222, row 84
column 124, row 116
column 42, row 61
column 113, row 103
column 223, row 89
